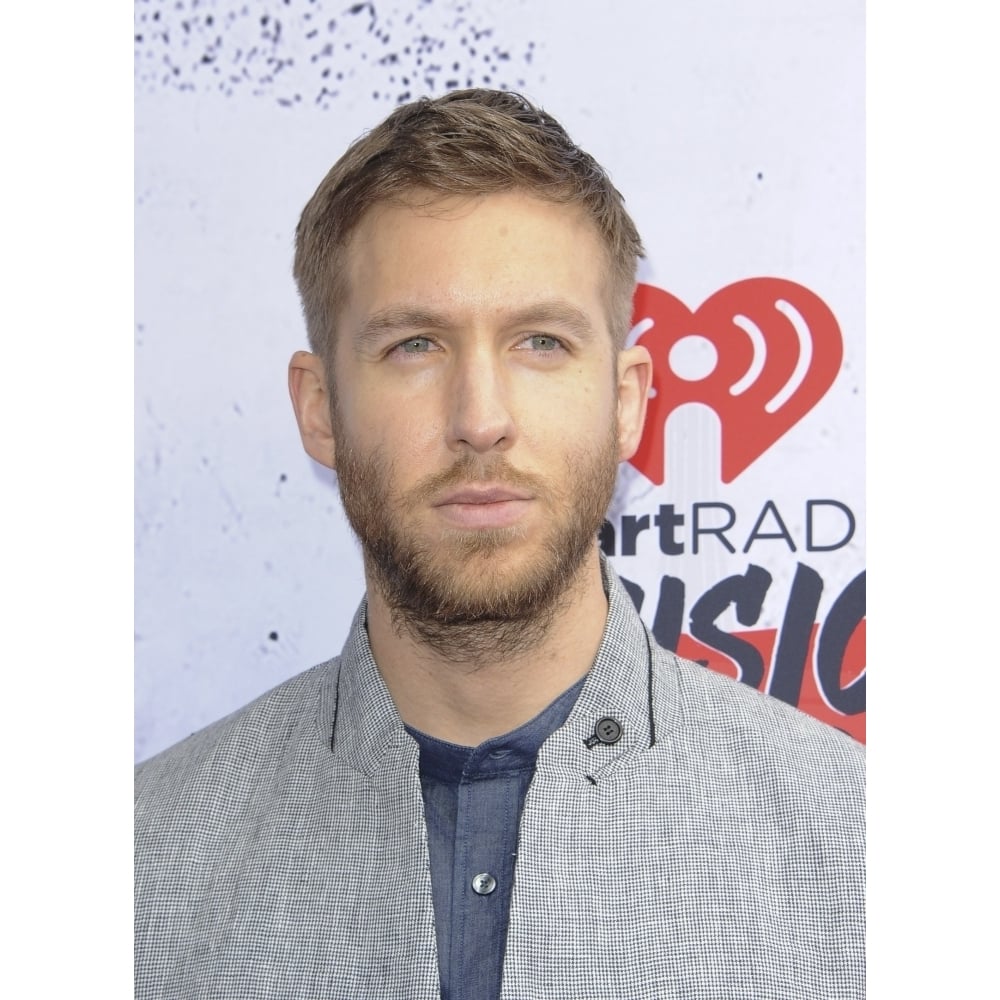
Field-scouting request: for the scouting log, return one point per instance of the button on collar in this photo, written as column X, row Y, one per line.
column 607, row 731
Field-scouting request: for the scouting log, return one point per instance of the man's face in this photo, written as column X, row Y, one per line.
column 475, row 405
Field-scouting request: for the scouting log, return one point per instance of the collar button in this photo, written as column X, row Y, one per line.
column 607, row 731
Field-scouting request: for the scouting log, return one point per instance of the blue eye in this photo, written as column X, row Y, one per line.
column 542, row 342
column 416, row 345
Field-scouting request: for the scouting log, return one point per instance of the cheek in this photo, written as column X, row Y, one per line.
column 409, row 445
column 585, row 403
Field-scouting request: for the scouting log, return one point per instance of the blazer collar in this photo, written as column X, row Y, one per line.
column 366, row 732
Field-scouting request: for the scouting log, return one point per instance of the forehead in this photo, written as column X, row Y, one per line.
column 474, row 254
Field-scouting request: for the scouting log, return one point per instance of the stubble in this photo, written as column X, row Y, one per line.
column 469, row 594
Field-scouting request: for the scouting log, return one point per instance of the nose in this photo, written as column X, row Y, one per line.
column 480, row 416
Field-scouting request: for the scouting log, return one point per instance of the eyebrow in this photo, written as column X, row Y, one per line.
column 398, row 320
column 556, row 312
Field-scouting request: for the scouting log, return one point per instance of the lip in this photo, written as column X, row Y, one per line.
column 485, row 494
column 483, row 506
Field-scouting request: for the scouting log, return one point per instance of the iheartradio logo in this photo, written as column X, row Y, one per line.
column 760, row 352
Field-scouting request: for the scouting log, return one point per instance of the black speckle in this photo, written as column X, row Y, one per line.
column 273, row 636
column 288, row 59
column 760, row 176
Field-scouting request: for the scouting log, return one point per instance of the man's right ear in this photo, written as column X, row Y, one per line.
column 311, row 402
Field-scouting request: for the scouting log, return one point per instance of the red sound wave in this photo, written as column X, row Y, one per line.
column 778, row 348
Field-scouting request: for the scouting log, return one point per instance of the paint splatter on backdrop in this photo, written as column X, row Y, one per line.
column 302, row 52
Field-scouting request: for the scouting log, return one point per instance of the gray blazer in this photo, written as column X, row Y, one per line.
column 716, row 850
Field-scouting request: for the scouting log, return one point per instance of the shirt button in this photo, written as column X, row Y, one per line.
column 484, row 884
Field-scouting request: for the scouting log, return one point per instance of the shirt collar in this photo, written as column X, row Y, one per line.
column 498, row 757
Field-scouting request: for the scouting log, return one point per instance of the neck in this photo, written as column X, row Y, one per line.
column 487, row 683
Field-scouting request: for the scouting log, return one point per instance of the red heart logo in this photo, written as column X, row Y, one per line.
column 761, row 353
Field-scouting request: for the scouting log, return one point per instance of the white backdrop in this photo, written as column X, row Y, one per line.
column 735, row 132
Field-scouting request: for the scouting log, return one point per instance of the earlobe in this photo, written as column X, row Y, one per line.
column 311, row 402
column 635, row 376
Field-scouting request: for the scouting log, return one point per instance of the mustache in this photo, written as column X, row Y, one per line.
column 473, row 469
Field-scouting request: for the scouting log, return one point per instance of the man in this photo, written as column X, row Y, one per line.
column 502, row 787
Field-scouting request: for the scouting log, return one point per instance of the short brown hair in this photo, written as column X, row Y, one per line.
column 469, row 142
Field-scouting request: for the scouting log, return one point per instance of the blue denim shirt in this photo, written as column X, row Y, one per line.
column 473, row 798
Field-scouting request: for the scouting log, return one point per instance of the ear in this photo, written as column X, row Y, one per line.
column 311, row 402
column 635, row 376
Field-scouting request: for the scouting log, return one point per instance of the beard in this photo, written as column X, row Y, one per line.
column 471, row 594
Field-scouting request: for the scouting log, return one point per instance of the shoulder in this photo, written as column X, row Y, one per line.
column 235, row 753
column 734, row 735
column 717, row 708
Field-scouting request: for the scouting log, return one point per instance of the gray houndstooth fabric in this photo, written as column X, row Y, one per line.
column 716, row 850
